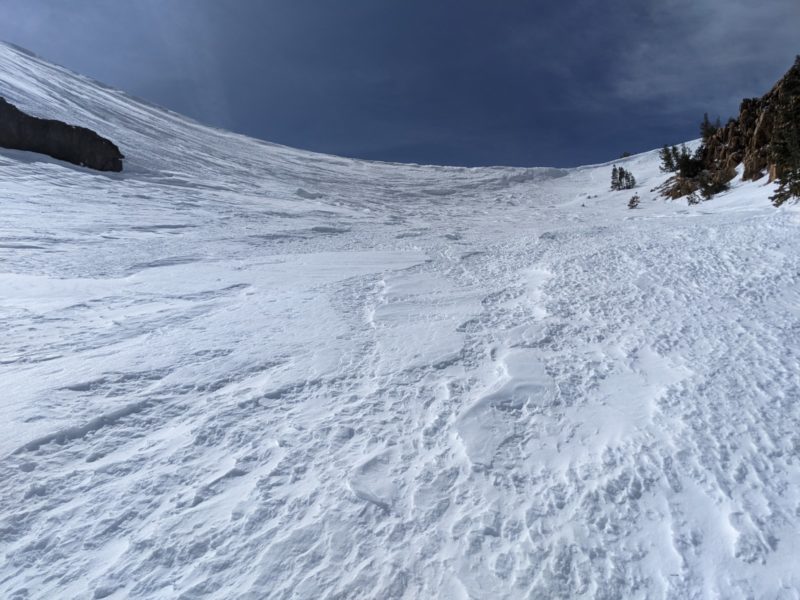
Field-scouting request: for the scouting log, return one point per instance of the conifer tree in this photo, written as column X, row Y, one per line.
column 676, row 155
column 667, row 156
column 686, row 165
column 708, row 129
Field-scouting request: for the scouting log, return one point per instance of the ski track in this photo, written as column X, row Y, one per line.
column 244, row 371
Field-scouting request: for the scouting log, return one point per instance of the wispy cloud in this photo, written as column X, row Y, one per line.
column 708, row 52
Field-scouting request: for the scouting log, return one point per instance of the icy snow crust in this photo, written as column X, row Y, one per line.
column 239, row 370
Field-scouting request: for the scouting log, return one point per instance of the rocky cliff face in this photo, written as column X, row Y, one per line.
column 77, row 145
column 748, row 139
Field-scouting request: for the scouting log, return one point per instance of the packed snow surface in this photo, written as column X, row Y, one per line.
column 238, row 370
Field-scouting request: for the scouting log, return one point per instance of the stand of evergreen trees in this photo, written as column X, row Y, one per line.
column 680, row 161
column 622, row 179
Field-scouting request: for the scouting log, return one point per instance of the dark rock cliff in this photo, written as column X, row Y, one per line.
column 77, row 145
column 748, row 139
column 764, row 139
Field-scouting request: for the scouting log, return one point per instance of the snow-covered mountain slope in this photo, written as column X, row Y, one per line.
column 238, row 370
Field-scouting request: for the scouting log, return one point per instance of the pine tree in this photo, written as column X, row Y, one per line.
column 667, row 162
column 615, row 178
column 708, row 129
column 687, row 165
column 676, row 156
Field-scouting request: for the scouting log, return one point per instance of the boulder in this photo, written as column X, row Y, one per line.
column 70, row 143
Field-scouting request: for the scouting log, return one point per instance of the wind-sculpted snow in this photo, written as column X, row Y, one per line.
column 244, row 371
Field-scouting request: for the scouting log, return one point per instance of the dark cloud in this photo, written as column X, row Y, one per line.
column 443, row 81
column 709, row 53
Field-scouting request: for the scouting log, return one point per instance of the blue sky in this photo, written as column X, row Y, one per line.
column 465, row 82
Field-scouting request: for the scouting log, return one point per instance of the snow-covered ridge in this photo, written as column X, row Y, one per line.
column 239, row 370
column 158, row 140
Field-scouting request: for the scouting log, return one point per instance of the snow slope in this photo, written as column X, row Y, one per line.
column 238, row 370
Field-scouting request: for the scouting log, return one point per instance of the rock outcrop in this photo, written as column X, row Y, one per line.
column 757, row 140
column 77, row 145
column 748, row 139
